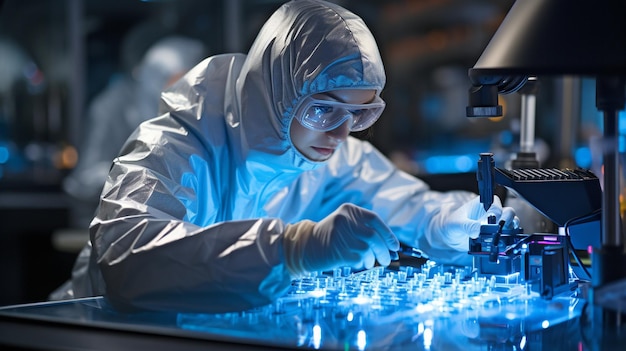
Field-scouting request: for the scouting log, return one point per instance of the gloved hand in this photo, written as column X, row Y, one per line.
column 463, row 223
column 350, row 236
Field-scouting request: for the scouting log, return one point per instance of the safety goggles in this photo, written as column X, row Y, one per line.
column 325, row 115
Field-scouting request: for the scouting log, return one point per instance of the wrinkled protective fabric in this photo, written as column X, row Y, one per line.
column 194, row 209
column 115, row 113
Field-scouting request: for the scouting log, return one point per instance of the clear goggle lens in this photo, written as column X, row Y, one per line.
column 325, row 115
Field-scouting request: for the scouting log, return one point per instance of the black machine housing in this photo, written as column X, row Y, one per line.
column 540, row 260
column 570, row 198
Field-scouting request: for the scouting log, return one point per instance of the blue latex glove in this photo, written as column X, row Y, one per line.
column 455, row 228
column 350, row 236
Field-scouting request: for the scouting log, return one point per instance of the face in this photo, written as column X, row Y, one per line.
column 319, row 146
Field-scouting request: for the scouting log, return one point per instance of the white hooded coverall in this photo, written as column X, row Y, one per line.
column 193, row 211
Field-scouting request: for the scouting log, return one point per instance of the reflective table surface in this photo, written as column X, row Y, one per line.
column 430, row 308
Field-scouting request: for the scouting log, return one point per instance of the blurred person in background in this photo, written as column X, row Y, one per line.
column 114, row 113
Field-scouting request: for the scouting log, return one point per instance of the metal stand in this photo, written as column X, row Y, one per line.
column 609, row 261
column 526, row 157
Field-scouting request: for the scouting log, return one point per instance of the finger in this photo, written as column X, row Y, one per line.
column 383, row 258
column 370, row 219
column 369, row 260
column 516, row 222
column 385, row 234
column 379, row 250
column 381, row 241
column 497, row 201
column 508, row 214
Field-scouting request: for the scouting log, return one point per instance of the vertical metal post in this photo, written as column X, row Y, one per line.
column 76, row 37
column 569, row 120
column 610, row 160
column 527, row 131
column 609, row 261
column 610, row 99
column 526, row 157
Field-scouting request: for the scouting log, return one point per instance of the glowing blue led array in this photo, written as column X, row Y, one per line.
column 386, row 291
column 358, row 310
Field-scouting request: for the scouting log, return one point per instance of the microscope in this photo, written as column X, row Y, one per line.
column 572, row 198
column 559, row 38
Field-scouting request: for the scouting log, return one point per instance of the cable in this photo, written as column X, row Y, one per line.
column 570, row 246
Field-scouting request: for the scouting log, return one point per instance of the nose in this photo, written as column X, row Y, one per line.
column 341, row 133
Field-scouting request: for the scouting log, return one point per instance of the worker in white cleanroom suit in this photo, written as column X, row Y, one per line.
column 249, row 178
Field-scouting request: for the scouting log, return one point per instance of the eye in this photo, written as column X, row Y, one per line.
column 321, row 109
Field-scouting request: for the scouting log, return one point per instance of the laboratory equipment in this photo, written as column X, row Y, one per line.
column 572, row 198
column 559, row 194
column 559, row 38
column 427, row 307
